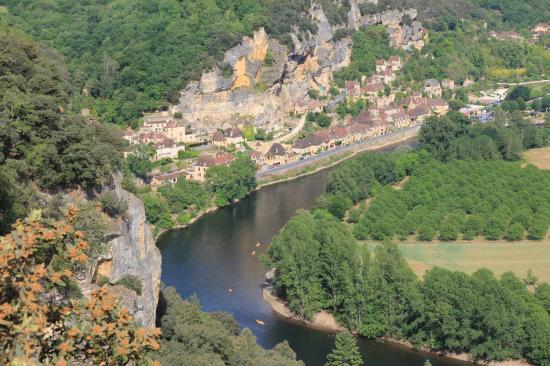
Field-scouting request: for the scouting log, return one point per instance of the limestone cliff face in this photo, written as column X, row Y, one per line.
column 402, row 35
column 131, row 251
column 268, row 79
column 134, row 252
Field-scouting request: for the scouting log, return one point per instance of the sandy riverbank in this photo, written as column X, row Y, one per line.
column 325, row 321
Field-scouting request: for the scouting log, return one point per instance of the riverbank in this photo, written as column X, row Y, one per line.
column 325, row 321
column 322, row 321
column 313, row 167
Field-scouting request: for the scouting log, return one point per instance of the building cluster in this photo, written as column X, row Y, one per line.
column 539, row 30
column 503, row 36
column 227, row 137
column 196, row 172
column 164, row 132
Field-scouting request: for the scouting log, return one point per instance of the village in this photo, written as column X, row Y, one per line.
column 180, row 152
column 170, row 136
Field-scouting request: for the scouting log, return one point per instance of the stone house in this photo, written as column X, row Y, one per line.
column 206, row 161
column 432, row 88
column 167, row 148
column 448, row 84
column 309, row 145
column 380, row 66
column 276, row 155
column 419, row 114
column 353, row 89
column 167, row 178
column 395, row 63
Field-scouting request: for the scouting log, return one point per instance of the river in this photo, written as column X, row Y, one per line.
column 215, row 254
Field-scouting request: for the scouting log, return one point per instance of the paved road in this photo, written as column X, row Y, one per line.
column 526, row 83
column 356, row 147
column 295, row 131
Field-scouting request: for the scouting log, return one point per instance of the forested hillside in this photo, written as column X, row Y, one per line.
column 43, row 145
column 132, row 56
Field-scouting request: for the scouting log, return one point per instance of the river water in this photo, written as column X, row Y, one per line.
column 215, row 254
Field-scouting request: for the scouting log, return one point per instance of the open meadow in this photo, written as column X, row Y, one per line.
column 499, row 257
column 538, row 157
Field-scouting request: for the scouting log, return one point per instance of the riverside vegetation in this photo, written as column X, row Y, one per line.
column 459, row 185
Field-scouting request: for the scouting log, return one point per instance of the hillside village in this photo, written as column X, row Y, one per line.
column 257, row 122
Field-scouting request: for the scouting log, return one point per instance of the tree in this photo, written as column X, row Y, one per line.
column 43, row 321
column 345, row 352
column 139, row 161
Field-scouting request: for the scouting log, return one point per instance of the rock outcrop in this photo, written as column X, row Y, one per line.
column 130, row 251
column 404, row 31
column 134, row 253
column 267, row 79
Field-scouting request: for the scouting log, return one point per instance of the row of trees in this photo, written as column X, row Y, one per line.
column 319, row 265
column 462, row 200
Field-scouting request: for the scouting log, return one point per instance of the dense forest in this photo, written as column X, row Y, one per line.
column 467, row 52
column 136, row 55
column 193, row 337
column 319, row 265
column 43, row 145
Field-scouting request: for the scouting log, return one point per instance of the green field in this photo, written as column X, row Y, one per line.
column 499, row 257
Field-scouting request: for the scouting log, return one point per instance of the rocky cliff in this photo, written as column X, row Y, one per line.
column 262, row 80
column 130, row 252
column 266, row 79
column 405, row 32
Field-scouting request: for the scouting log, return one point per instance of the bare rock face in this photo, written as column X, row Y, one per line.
column 402, row 35
column 132, row 252
column 267, row 80
column 324, row 33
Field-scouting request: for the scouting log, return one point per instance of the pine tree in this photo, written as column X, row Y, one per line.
column 345, row 352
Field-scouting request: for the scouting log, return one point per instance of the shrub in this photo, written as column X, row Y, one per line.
column 113, row 205
column 131, row 282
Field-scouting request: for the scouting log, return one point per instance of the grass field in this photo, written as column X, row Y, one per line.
column 538, row 157
column 499, row 257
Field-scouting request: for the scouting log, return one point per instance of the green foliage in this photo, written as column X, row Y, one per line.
column 319, row 266
column 455, row 137
column 193, row 337
column 90, row 221
column 369, row 44
column 136, row 55
column 460, row 54
column 345, row 352
column 139, row 161
column 322, row 119
column 232, row 182
column 113, row 205
column 131, row 282
column 184, row 195
column 42, row 143
column 494, row 198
